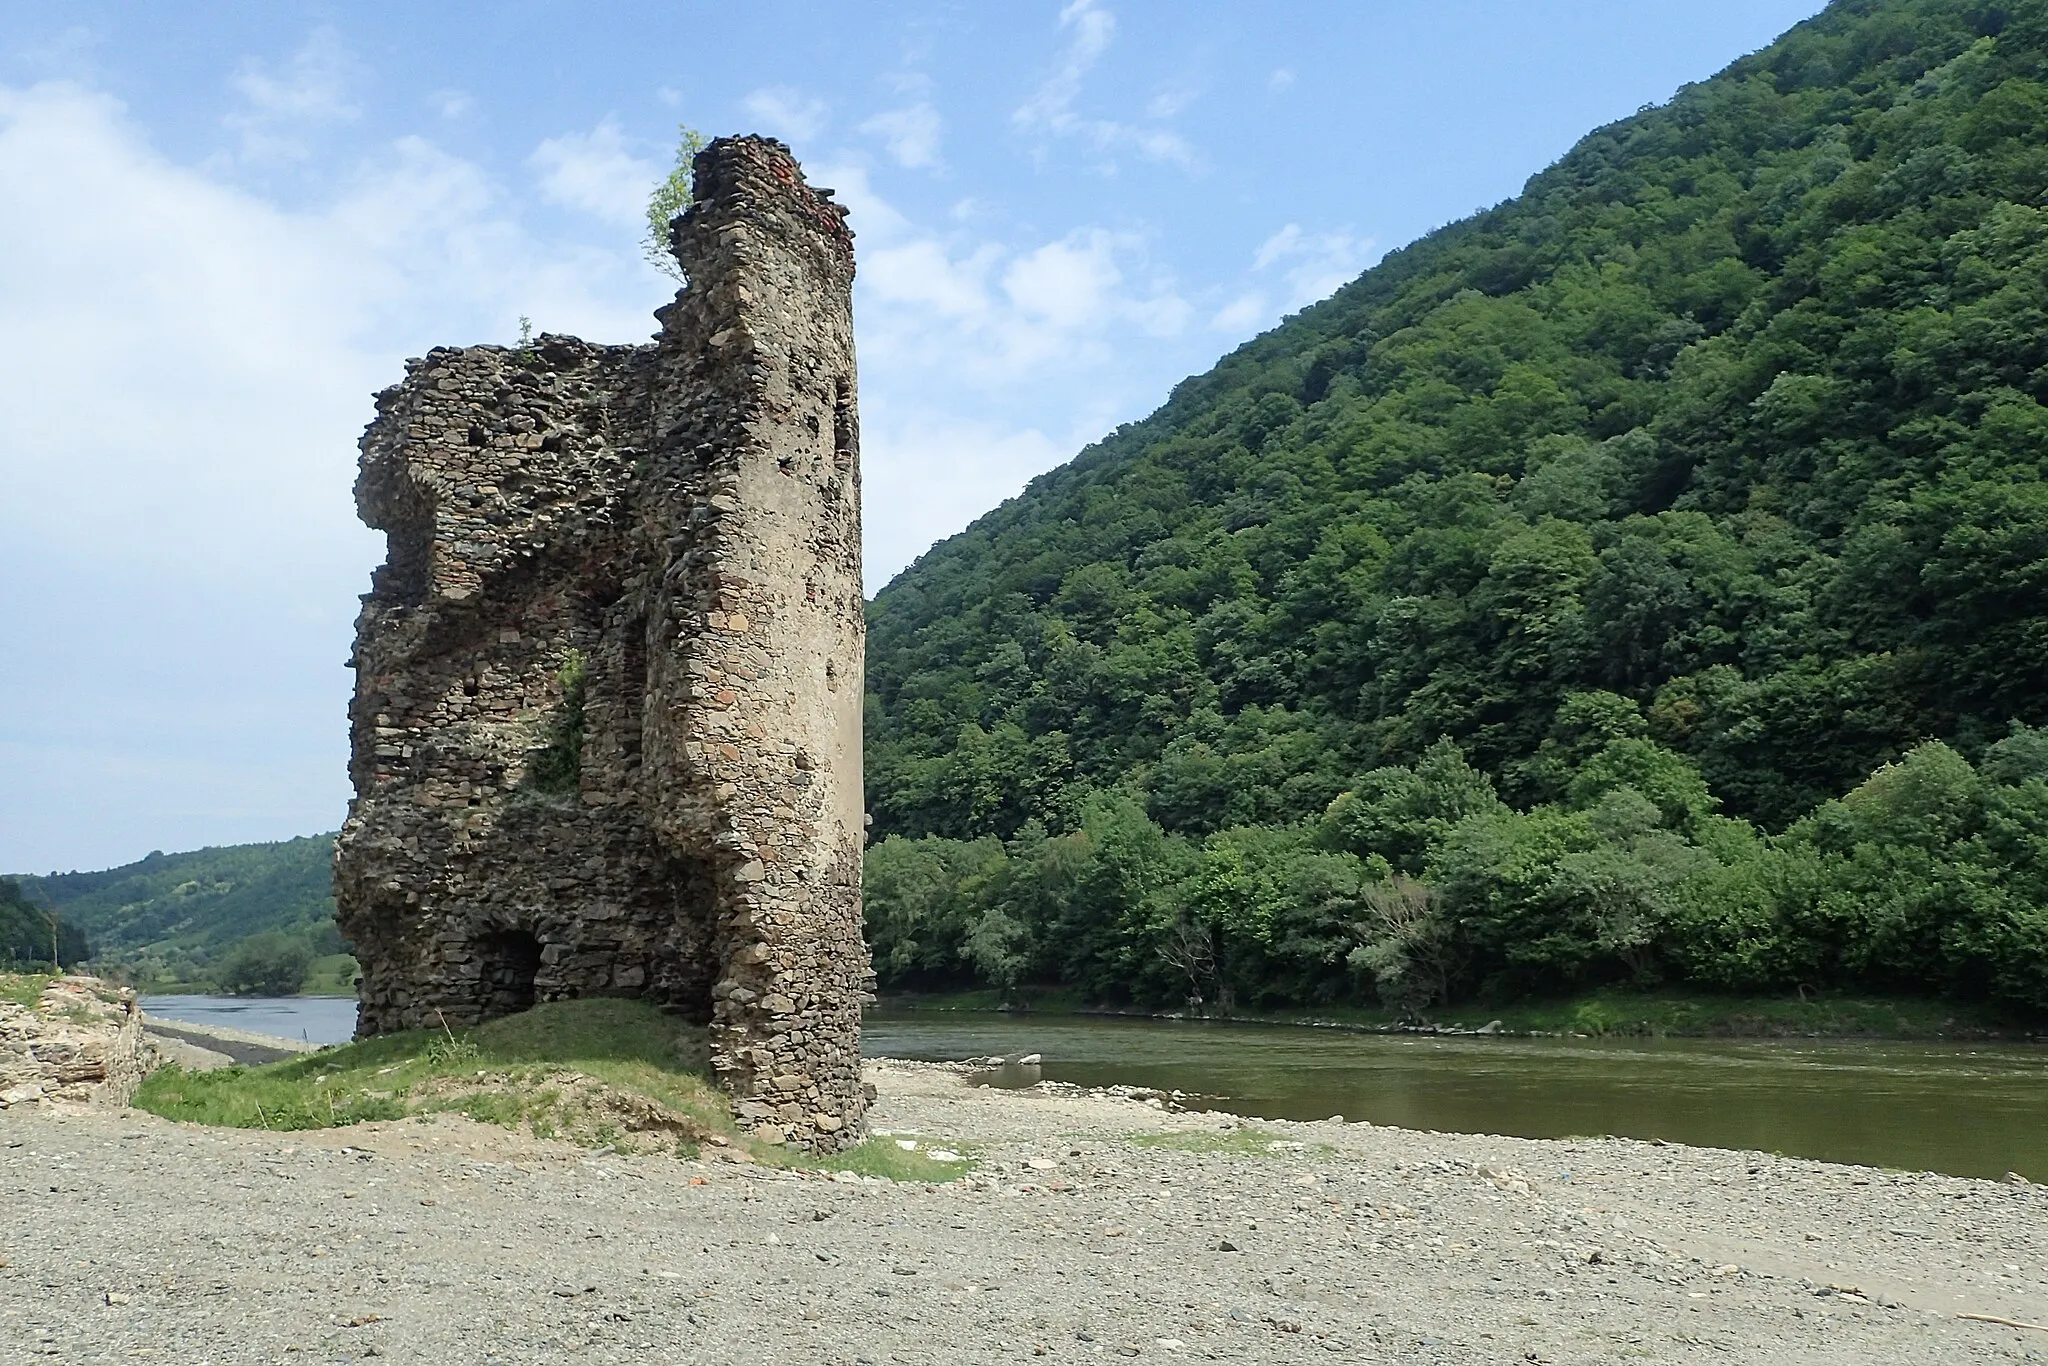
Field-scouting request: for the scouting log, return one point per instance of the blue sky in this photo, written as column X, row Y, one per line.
column 224, row 225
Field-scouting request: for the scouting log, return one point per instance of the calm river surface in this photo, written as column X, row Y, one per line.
column 317, row 1019
column 1965, row 1109
column 1968, row 1110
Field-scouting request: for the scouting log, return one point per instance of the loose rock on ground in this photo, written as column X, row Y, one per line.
column 125, row 1237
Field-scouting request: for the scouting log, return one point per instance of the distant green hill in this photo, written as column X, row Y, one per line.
column 1703, row 480
column 172, row 915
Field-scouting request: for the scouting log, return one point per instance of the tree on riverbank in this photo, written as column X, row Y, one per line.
column 266, row 964
column 1930, row 876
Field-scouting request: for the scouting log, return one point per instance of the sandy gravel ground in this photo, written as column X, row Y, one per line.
column 123, row 1238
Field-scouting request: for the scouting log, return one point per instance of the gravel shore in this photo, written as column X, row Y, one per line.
column 124, row 1237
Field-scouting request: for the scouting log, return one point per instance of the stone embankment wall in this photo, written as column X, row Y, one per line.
column 80, row 1042
column 606, row 733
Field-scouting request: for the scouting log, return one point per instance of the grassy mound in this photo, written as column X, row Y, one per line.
column 593, row 1072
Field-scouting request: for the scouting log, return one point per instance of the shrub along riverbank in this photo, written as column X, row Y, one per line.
column 1613, row 1013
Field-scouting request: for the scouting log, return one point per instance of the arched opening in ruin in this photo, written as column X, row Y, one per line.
column 511, row 962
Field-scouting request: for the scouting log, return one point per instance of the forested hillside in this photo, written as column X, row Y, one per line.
column 1646, row 579
column 178, row 916
column 26, row 936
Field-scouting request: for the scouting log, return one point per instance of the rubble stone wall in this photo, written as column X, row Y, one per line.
column 80, row 1043
column 606, row 733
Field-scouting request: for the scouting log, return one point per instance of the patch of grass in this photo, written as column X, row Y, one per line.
column 332, row 975
column 885, row 1158
column 593, row 1071
column 23, row 988
column 1243, row 1142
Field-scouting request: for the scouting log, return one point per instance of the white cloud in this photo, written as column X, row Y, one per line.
column 1065, row 283
column 1168, row 103
column 453, row 104
column 1298, row 268
column 963, row 338
column 1281, row 79
column 183, row 401
column 999, row 319
column 919, row 274
column 911, row 134
column 1240, row 315
column 283, row 106
column 1312, row 265
column 593, row 172
column 789, row 114
column 1051, row 108
column 926, row 473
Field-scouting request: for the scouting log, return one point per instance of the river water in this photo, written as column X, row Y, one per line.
column 1964, row 1109
column 316, row 1019
column 1968, row 1110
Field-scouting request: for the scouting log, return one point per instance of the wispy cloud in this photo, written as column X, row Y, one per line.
column 911, row 134
column 963, row 331
column 1312, row 265
column 1051, row 110
column 594, row 173
column 1293, row 269
column 284, row 105
column 787, row 113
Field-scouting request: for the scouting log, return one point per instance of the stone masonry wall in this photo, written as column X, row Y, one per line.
column 678, row 523
column 81, row 1042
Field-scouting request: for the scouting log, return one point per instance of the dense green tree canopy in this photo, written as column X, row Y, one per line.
column 27, row 936
column 1583, row 554
column 174, row 914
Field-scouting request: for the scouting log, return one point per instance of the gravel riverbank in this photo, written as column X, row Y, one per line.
column 1092, row 1227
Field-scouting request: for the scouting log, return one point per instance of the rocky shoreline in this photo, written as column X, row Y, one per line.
column 1089, row 1226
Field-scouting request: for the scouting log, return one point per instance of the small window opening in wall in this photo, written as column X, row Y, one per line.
column 844, row 439
column 511, row 962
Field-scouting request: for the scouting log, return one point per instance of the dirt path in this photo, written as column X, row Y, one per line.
column 126, row 1238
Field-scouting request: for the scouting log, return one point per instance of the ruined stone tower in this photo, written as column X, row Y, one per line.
column 606, row 736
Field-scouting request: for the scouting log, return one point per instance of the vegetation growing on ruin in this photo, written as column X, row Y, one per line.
column 1640, row 582
column 595, row 1072
column 669, row 199
column 23, row 988
column 557, row 766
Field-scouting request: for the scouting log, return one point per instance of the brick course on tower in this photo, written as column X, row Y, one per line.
column 606, row 737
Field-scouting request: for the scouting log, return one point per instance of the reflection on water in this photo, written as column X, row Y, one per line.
column 317, row 1019
column 1966, row 1109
